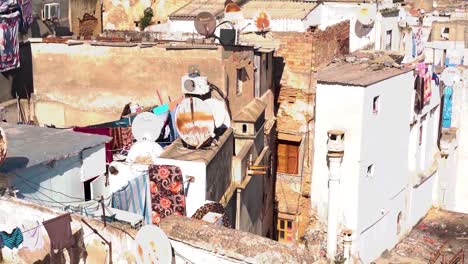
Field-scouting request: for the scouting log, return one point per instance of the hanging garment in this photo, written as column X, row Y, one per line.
column 59, row 231
column 12, row 240
column 161, row 109
column 214, row 208
column 9, row 45
column 419, row 93
column 33, row 238
column 134, row 198
column 26, row 8
column 427, row 87
column 122, row 137
column 447, row 110
column 435, row 78
column 167, row 191
column 98, row 131
column 6, row 4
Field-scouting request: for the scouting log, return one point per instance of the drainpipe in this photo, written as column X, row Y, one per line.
column 335, row 157
column 347, row 246
column 238, row 208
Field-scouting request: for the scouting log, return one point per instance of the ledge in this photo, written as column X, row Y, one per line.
column 231, row 243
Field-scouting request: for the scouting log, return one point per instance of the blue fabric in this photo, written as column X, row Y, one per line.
column 447, row 111
column 435, row 78
column 134, row 198
column 161, row 109
column 12, row 240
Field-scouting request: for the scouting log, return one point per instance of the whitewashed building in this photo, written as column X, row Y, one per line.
column 387, row 175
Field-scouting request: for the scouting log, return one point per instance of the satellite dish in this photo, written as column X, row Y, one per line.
column 153, row 246
column 450, row 75
column 362, row 30
column 205, row 24
column 262, row 21
column 148, row 126
column 3, row 146
column 144, row 152
column 194, row 121
column 366, row 14
column 220, row 113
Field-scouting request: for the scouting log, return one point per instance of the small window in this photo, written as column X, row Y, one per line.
column 444, row 33
column 370, row 171
column 376, row 105
column 388, row 40
column 399, row 217
column 240, row 81
column 285, row 230
column 244, row 128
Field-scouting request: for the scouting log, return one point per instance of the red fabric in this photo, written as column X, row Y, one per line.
column 99, row 131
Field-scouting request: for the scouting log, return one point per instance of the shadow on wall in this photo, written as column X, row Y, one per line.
column 14, row 162
column 279, row 65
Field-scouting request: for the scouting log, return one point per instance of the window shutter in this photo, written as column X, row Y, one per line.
column 282, row 158
column 293, row 158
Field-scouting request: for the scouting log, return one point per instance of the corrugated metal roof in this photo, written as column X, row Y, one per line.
column 279, row 9
column 32, row 145
column 357, row 74
column 191, row 9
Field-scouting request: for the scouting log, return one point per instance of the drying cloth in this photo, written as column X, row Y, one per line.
column 99, row 131
column 12, row 240
column 167, row 191
column 9, row 45
column 134, row 198
column 447, row 108
column 122, row 137
column 33, row 238
column 161, row 109
column 419, row 89
column 214, row 208
column 26, row 8
column 59, row 231
column 7, row 4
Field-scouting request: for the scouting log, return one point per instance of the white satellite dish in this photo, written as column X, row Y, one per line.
column 144, row 152
column 153, row 246
column 148, row 126
column 194, row 121
column 450, row 75
column 220, row 113
column 366, row 14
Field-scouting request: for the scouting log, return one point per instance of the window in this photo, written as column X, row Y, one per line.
column 388, row 40
column 285, row 230
column 288, row 156
column 444, row 33
column 51, row 11
column 244, row 128
column 376, row 105
column 240, row 81
column 370, row 172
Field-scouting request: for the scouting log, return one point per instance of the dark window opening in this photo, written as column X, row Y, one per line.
column 244, row 128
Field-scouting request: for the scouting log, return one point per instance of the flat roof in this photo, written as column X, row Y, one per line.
column 178, row 151
column 364, row 70
column 278, row 9
column 33, row 145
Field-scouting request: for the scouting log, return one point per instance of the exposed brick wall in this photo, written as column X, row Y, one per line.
column 301, row 53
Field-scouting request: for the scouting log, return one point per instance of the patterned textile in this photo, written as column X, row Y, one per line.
column 26, row 8
column 134, row 198
column 214, row 208
column 167, row 191
column 9, row 45
column 5, row 4
column 121, row 137
column 12, row 240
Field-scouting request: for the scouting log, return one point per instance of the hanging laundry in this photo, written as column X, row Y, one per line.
column 98, row 131
column 12, row 240
column 214, row 208
column 435, row 78
column 161, row 109
column 167, row 191
column 134, row 198
column 419, row 94
column 59, row 231
column 9, row 45
column 427, row 86
column 33, row 238
column 26, row 9
column 122, row 137
column 447, row 108
column 7, row 4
